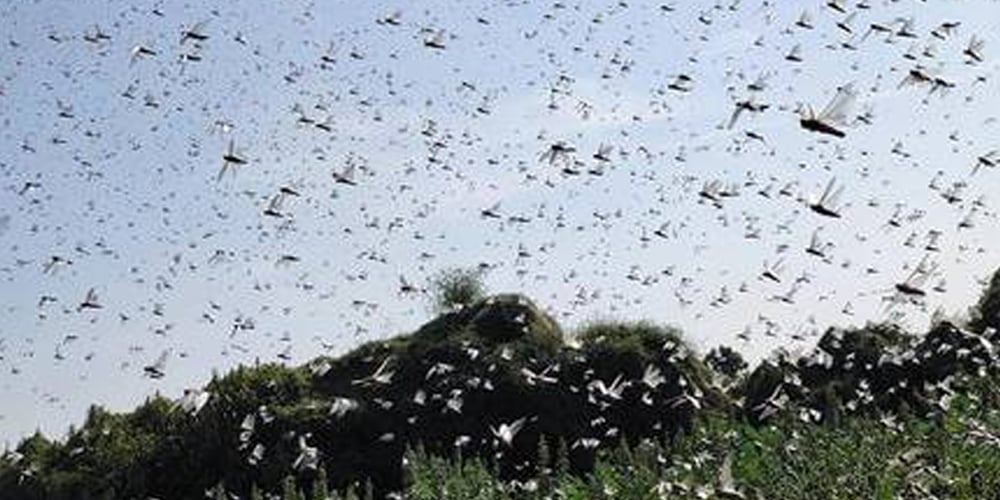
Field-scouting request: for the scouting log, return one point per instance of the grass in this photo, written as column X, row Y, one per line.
column 790, row 459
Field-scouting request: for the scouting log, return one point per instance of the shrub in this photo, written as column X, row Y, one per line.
column 455, row 289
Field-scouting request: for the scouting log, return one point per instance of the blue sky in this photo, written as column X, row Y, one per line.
column 127, row 187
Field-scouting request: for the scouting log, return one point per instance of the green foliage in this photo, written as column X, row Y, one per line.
column 434, row 477
column 726, row 361
column 642, row 338
column 629, row 347
column 319, row 486
column 867, row 344
column 454, row 289
column 290, row 490
column 906, row 438
column 862, row 459
column 512, row 317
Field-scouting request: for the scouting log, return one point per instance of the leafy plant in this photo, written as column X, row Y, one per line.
column 456, row 288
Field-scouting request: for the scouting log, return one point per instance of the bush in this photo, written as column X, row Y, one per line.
column 726, row 361
column 511, row 317
column 641, row 338
column 455, row 289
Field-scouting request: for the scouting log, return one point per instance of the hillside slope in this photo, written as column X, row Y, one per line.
column 492, row 397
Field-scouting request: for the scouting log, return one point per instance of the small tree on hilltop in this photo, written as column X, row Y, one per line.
column 455, row 289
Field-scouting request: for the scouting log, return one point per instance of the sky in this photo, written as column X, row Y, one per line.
column 110, row 176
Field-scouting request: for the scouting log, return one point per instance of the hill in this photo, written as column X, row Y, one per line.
column 491, row 400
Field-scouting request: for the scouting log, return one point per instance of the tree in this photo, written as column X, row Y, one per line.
column 455, row 289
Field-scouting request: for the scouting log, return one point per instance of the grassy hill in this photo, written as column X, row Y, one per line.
column 490, row 400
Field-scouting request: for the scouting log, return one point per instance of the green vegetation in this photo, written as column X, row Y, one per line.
column 457, row 288
column 791, row 460
column 627, row 410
